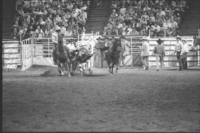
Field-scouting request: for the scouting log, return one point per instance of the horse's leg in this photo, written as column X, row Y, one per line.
column 60, row 69
column 112, row 68
column 117, row 67
column 69, row 69
column 80, row 67
column 89, row 68
column 74, row 65
column 109, row 67
column 63, row 68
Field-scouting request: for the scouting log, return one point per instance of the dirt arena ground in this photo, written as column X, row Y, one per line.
column 132, row 100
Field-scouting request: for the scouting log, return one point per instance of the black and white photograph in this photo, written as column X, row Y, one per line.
column 100, row 65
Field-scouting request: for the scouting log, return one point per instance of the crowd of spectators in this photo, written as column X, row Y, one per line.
column 144, row 17
column 39, row 18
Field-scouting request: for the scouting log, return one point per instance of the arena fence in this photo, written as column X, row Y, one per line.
column 132, row 46
column 170, row 59
column 38, row 51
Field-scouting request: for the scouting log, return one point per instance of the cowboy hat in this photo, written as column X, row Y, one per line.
column 159, row 41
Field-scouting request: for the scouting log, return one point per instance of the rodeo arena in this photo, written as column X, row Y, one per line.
column 101, row 65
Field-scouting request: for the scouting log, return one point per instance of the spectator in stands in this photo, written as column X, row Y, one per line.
column 162, row 16
column 47, row 14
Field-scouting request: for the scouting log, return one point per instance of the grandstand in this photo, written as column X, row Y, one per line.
column 98, row 16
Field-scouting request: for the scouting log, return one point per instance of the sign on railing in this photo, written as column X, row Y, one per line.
column 11, row 55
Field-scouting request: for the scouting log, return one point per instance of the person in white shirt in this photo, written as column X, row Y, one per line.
column 178, row 50
column 184, row 53
column 145, row 54
column 159, row 52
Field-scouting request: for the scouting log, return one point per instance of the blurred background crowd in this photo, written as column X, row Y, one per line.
column 144, row 17
column 41, row 18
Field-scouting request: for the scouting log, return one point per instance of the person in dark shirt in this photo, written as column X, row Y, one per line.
column 178, row 50
column 159, row 52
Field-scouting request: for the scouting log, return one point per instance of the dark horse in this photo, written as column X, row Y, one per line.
column 62, row 57
column 112, row 55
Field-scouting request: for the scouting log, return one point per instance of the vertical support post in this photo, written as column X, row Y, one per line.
column 149, row 33
column 20, row 49
column 22, row 55
column 101, row 58
column 48, row 55
column 198, row 55
column 32, row 50
column 20, row 37
column 131, row 46
column 78, row 41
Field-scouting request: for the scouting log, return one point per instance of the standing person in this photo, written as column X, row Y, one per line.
column 159, row 52
column 178, row 49
column 145, row 54
column 184, row 53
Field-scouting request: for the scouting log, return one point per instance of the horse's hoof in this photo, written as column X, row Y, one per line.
column 62, row 74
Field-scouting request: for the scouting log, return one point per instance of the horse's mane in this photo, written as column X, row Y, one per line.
column 60, row 46
column 63, row 50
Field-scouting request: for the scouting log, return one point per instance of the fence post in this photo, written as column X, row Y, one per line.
column 22, row 54
column 198, row 55
column 32, row 50
column 48, row 55
column 131, row 46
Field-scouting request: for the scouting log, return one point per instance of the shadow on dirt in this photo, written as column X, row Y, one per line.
column 50, row 73
column 189, row 69
column 76, row 75
column 95, row 75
